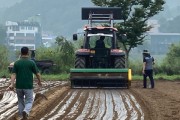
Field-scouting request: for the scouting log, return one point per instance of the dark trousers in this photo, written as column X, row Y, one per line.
column 148, row 73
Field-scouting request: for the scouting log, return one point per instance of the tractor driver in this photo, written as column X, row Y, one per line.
column 100, row 42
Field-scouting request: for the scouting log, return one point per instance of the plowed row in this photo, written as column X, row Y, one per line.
column 56, row 101
column 96, row 104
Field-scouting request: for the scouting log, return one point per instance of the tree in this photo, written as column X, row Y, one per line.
column 62, row 54
column 135, row 15
column 4, row 58
column 171, row 64
column 66, row 49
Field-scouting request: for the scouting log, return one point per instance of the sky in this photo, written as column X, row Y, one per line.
column 8, row 3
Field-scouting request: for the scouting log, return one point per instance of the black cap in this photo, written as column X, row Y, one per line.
column 145, row 51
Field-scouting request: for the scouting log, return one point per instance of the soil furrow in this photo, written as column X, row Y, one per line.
column 64, row 105
column 91, row 102
column 77, row 110
column 9, row 112
column 132, row 107
column 86, row 108
column 115, row 113
column 125, row 108
column 109, row 106
column 42, row 106
column 119, row 106
column 63, row 101
column 66, row 109
column 95, row 106
column 140, row 113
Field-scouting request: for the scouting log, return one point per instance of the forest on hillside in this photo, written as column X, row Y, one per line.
column 8, row 3
column 64, row 17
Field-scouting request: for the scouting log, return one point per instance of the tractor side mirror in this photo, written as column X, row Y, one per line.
column 75, row 37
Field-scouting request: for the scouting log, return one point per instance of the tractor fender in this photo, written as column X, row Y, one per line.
column 117, row 52
column 83, row 52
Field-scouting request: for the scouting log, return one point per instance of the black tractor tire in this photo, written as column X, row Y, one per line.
column 80, row 62
column 119, row 62
column 46, row 71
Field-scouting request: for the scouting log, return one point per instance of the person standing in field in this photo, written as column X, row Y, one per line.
column 147, row 71
column 22, row 79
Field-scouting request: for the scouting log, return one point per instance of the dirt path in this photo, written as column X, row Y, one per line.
column 162, row 102
column 136, row 103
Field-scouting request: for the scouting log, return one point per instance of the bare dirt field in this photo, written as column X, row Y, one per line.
column 63, row 103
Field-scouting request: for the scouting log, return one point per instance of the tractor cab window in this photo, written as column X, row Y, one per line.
column 107, row 41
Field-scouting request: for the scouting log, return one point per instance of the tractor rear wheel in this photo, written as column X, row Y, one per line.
column 80, row 62
column 119, row 62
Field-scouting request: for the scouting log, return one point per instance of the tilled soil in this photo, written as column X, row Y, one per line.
column 136, row 103
column 93, row 104
column 162, row 102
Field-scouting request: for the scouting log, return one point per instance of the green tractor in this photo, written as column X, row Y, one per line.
column 100, row 62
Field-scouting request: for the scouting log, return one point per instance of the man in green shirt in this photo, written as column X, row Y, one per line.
column 22, row 72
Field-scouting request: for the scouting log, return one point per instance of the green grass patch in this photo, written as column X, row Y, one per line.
column 137, row 77
column 158, row 77
column 63, row 76
column 4, row 73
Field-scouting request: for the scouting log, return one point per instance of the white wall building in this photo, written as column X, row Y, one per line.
column 24, row 33
column 48, row 40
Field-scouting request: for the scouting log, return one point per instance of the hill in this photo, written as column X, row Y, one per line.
column 59, row 17
column 8, row 3
column 63, row 17
column 169, row 18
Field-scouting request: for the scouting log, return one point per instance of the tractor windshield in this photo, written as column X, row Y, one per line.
column 92, row 40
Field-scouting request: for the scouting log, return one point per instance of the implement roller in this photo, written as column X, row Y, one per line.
column 100, row 78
